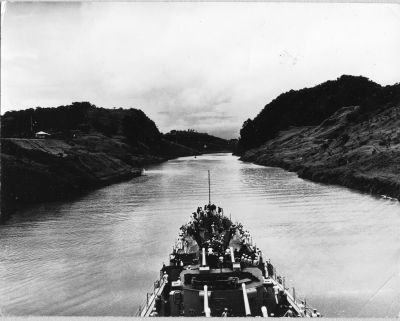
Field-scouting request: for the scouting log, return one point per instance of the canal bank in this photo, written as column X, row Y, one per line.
column 363, row 155
column 43, row 170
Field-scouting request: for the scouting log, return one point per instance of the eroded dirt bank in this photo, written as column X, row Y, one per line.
column 37, row 170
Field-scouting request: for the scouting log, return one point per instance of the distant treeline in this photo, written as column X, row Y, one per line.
column 200, row 141
column 310, row 106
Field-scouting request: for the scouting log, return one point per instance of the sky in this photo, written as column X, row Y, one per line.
column 207, row 66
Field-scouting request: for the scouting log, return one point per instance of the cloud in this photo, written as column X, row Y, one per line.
column 207, row 66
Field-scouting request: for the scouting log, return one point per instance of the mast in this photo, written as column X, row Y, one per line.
column 209, row 188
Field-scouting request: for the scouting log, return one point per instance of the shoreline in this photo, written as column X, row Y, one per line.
column 340, row 151
column 37, row 171
column 370, row 185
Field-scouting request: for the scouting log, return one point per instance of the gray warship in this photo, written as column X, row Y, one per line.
column 215, row 270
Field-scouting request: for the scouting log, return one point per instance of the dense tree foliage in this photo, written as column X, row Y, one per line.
column 137, row 127
column 310, row 106
column 25, row 123
column 63, row 121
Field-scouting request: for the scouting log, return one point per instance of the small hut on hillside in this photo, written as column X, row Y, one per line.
column 42, row 135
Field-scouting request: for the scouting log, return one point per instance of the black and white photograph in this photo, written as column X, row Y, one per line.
column 200, row 159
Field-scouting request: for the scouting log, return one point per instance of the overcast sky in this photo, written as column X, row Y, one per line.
column 207, row 66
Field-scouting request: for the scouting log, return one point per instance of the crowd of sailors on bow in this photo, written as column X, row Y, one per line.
column 209, row 219
column 208, row 227
column 244, row 251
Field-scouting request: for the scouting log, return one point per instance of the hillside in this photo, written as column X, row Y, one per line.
column 35, row 170
column 356, row 146
column 89, row 147
column 311, row 106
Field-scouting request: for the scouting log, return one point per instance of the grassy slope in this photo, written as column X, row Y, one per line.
column 35, row 170
column 362, row 154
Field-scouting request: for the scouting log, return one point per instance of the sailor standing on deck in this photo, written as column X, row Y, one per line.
column 154, row 313
column 165, row 277
column 314, row 313
column 185, row 246
column 167, row 287
column 302, row 306
column 179, row 244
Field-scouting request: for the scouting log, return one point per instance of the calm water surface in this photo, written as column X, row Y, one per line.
column 99, row 254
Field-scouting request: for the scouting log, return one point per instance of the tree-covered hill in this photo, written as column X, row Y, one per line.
column 65, row 122
column 310, row 106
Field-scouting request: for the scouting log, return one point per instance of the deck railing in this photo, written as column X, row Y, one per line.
column 151, row 294
column 295, row 298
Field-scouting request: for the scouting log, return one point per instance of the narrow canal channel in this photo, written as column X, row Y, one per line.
column 99, row 254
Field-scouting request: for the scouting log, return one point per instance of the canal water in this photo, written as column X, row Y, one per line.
column 99, row 254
